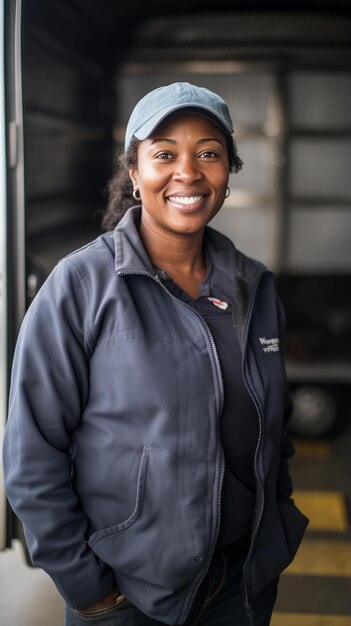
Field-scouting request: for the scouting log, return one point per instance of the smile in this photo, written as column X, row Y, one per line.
column 185, row 199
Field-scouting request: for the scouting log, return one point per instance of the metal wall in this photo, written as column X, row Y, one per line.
column 68, row 103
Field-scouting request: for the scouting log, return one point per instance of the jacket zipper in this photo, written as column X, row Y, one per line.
column 258, row 446
column 205, row 568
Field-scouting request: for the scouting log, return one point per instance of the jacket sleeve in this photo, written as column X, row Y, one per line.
column 284, row 484
column 49, row 389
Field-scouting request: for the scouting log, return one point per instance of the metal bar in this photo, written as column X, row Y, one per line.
column 337, row 133
column 19, row 176
column 15, row 227
column 279, row 131
column 321, row 202
column 321, row 371
column 3, row 278
column 324, row 60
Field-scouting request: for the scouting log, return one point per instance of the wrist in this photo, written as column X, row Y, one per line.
column 111, row 598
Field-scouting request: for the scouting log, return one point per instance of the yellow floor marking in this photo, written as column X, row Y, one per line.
column 309, row 619
column 312, row 449
column 322, row 558
column 326, row 510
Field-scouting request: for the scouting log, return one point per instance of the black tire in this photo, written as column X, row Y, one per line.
column 317, row 410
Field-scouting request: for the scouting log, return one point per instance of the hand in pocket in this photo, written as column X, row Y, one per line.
column 114, row 598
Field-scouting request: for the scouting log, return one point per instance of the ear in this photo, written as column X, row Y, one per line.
column 133, row 173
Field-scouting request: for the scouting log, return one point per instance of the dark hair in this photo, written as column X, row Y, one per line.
column 120, row 188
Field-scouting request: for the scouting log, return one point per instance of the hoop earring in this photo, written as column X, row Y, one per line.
column 136, row 194
column 227, row 193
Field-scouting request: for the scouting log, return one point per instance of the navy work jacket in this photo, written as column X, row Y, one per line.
column 112, row 454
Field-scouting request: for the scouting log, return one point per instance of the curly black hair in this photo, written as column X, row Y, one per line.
column 120, row 188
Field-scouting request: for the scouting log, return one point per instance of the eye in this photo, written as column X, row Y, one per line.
column 208, row 154
column 164, row 156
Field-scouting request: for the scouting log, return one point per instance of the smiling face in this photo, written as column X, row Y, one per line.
column 182, row 174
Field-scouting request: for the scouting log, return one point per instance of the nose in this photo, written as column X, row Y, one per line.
column 187, row 170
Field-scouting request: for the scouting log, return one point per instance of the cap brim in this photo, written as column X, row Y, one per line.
column 147, row 129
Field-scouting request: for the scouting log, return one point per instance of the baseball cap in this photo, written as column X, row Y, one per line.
column 156, row 105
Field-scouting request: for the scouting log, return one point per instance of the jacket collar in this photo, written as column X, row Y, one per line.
column 130, row 254
column 241, row 273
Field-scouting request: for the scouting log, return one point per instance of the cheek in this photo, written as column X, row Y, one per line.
column 220, row 178
column 221, row 188
column 152, row 181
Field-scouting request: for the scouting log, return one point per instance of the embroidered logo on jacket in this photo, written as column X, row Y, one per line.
column 270, row 345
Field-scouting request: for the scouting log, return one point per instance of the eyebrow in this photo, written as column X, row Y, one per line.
column 206, row 139
column 173, row 141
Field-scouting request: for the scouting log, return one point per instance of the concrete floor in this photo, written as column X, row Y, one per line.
column 27, row 595
column 306, row 598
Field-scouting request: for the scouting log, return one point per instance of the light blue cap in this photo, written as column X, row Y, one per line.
column 159, row 103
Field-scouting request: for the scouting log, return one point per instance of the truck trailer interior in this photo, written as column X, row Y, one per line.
column 75, row 70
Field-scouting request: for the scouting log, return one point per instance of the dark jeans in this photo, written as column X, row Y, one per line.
column 218, row 602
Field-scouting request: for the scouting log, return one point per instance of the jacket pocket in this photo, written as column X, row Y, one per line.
column 279, row 537
column 99, row 616
column 294, row 524
column 100, row 534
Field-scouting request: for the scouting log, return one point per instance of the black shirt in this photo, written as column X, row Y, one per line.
column 239, row 421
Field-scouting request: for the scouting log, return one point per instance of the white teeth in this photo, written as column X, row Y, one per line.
column 185, row 199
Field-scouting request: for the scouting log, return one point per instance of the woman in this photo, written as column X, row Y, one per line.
column 146, row 450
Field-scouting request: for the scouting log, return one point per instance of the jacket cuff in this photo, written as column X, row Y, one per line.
column 84, row 592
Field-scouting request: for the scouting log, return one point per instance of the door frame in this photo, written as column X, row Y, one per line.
column 12, row 218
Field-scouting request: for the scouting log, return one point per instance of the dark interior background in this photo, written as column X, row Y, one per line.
column 77, row 97
column 85, row 64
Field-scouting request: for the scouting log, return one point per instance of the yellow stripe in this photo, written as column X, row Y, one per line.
column 326, row 510
column 309, row 619
column 322, row 558
column 312, row 449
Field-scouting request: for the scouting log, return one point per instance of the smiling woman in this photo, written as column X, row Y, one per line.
column 182, row 176
column 156, row 490
column 120, row 187
column 182, row 172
